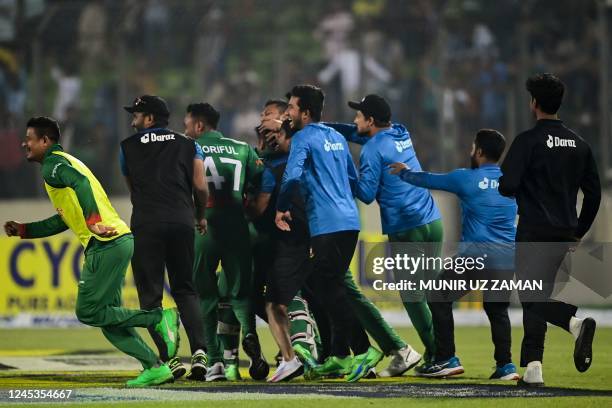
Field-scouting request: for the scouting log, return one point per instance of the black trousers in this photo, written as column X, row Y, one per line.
column 331, row 256
column 169, row 246
column 540, row 262
column 495, row 306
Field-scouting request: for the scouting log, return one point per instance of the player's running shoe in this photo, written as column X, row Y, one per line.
column 305, row 356
column 152, row 376
column 287, row 370
column 506, row 372
column 371, row 375
column 168, row 328
column 177, row 368
column 362, row 363
column 216, row 372
column 335, row 367
column 232, row 372
column 440, row 369
column 533, row 376
column 583, row 348
column 199, row 361
column 258, row 368
column 403, row 360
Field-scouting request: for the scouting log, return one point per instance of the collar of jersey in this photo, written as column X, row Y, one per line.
column 211, row 134
column 152, row 130
column 54, row 148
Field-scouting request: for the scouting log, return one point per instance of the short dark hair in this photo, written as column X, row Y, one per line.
column 547, row 90
column 491, row 142
column 205, row 112
column 311, row 100
column 279, row 103
column 45, row 126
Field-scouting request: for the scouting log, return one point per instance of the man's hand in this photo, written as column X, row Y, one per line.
column 281, row 220
column 270, row 124
column 397, row 168
column 102, row 230
column 13, row 228
column 202, row 226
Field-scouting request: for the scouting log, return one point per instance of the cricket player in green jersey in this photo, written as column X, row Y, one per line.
column 84, row 208
column 230, row 166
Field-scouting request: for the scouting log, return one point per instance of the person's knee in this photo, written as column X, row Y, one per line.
column 87, row 315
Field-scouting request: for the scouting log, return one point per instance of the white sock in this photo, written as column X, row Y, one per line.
column 575, row 324
column 533, row 374
column 534, row 364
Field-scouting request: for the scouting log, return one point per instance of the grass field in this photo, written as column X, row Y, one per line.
column 474, row 348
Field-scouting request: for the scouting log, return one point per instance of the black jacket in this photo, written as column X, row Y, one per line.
column 159, row 164
column 544, row 168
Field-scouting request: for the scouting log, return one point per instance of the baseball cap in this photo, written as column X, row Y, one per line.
column 149, row 104
column 374, row 106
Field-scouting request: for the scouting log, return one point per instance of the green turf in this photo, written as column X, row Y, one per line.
column 474, row 348
column 372, row 402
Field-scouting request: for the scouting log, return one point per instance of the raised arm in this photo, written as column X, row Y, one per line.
column 453, row 182
column 349, row 131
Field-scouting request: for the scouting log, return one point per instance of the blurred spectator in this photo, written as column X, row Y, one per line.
column 68, row 90
column 8, row 13
column 92, row 34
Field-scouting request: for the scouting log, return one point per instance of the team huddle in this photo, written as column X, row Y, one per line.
column 276, row 227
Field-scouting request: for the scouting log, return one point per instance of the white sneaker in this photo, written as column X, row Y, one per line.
column 216, row 372
column 287, row 370
column 533, row 375
column 403, row 360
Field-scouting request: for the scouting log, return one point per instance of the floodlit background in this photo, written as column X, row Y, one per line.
column 448, row 68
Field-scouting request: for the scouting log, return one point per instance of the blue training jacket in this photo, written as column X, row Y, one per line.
column 320, row 163
column 486, row 216
column 402, row 206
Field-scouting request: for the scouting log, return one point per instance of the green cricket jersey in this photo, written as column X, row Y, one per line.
column 78, row 198
column 230, row 166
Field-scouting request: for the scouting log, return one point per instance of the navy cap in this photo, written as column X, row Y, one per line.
column 149, row 104
column 373, row 106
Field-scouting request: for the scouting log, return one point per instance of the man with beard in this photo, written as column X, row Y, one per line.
column 320, row 164
column 164, row 171
column 487, row 227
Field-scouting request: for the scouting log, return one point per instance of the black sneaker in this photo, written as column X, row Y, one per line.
column 199, row 361
column 583, row 348
column 258, row 368
column 177, row 368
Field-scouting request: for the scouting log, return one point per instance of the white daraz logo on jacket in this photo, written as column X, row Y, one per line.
column 332, row 146
column 486, row 183
column 403, row 145
column 558, row 142
column 152, row 137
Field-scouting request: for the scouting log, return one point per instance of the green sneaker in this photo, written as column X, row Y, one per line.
column 152, row 376
column 232, row 372
column 363, row 363
column 304, row 354
column 335, row 367
column 168, row 328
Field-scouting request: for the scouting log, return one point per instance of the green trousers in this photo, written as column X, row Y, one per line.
column 227, row 242
column 430, row 236
column 99, row 299
column 370, row 318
